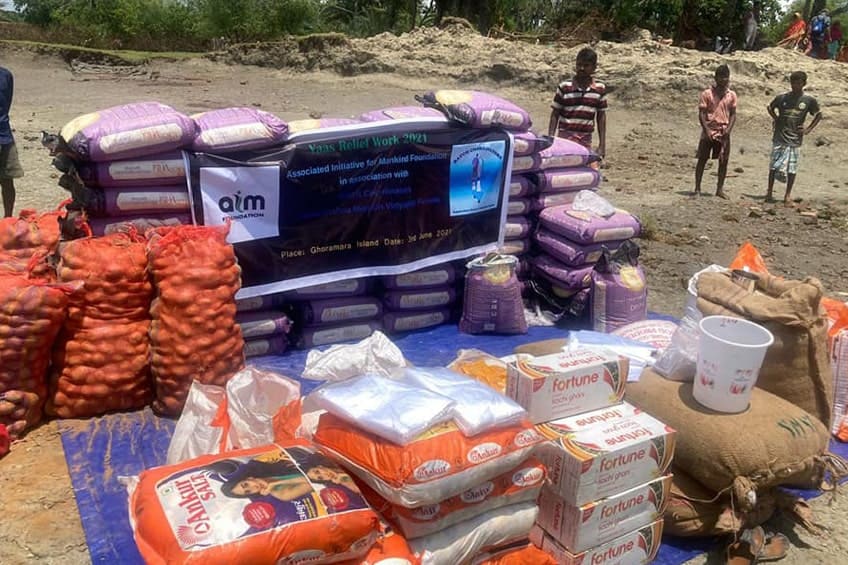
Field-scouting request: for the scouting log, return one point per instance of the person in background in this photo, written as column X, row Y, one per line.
column 835, row 40
column 751, row 28
column 820, row 34
column 579, row 104
column 10, row 166
column 789, row 111
column 794, row 33
column 717, row 115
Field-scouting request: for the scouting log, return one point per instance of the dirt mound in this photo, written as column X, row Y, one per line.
column 460, row 54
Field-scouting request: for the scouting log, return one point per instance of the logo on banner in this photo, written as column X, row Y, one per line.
column 247, row 197
column 476, row 176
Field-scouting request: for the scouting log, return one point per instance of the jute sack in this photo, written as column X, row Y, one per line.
column 772, row 443
column 695, row 511
column 796, row 367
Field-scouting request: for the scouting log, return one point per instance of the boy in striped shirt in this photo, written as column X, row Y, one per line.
column 579, row 103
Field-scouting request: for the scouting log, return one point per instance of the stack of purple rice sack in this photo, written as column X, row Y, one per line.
column 265, row 326
column 124, row 165
column 330, row 313
column 420, row 299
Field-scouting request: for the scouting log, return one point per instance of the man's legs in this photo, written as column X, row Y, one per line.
column 723, row 160
column 770, row 193
column 704, row 147
column 790, row 181
column 8, row 190
column 779, row 154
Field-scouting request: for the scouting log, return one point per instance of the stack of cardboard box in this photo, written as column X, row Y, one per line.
column 607, row 461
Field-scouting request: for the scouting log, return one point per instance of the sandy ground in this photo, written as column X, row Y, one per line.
column 652, row 139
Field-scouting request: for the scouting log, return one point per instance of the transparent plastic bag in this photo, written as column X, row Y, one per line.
column 590, row 201
column 395, row 411
column 678, row 361
column 375, row 355
column 478, row 408
column 482, row 367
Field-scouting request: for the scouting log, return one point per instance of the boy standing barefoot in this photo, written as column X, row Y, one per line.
column 789, row 112
column 717, row 114
column 579, row 103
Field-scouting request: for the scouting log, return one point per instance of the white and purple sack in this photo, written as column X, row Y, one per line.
column 400, row 112
column 518, row 207
column 414, row 320
column 425, row 278
column 563, row 153
column 478, row 109
column 236, row 129
column 164, row 169
column 338, row 289
column 550, row 199
column 568, row 180
column 560, row 275
column 141, row 223
column 263, row 323
column 520, row 186
column 426, row 299
column 516, row 227
column 619, row 290
column 338, row 310
column 328, row 335
column 267, row 302
column 527, row 142
column 515, row 246
column 137, row 201
column 492, row 302
column 584, row 227
column 566, row 251
column 272, row 345
column 526, row 164
column 298, row 126
column 128, row 131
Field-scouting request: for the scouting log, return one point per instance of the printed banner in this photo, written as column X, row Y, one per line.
column 363, row 200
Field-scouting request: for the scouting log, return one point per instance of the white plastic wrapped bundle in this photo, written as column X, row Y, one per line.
column 392, row 410
column 477, row 407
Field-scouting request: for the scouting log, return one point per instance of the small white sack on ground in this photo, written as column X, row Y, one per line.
column 375, row 355
column 194, row 434
column 254, row 396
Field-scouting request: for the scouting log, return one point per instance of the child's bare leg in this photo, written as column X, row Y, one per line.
column 8, row 190
column 722, row 174
column 703, row 155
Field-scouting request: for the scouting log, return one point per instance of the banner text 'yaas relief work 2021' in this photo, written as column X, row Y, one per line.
column 371, row 199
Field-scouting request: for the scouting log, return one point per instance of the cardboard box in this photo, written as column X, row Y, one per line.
column 619, row 453
column 579, row 528
column 565, row 384
column 634, row 548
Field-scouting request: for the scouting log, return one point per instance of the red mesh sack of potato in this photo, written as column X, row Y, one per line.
column 28, row 238
column 439, row 464
column 101, row 357
column 31, row 314
column 194, row 334
column 278, row 505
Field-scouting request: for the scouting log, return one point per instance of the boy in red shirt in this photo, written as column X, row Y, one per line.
column 717, row 114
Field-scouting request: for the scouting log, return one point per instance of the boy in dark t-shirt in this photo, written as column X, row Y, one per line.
column 789, row 112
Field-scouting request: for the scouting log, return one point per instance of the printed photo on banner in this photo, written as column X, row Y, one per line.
column 248, row 197
column 476, row 171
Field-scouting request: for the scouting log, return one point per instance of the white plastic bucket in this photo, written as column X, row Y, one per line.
column 730, row 354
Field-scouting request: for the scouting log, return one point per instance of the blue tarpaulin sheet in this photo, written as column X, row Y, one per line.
column 100, row 450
